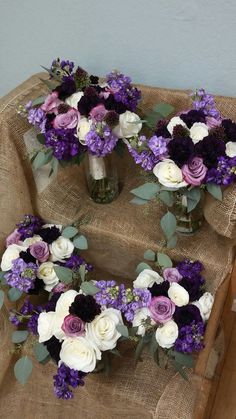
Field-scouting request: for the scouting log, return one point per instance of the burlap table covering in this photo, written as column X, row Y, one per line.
column 118, row 235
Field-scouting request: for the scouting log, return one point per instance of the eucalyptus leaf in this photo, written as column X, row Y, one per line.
column 54, row 165
column 152, row 118
column 89, row 288
column 164, row 260
column 141, row 266
column 2, row 274
column 153, row 345
column 138, row 201
column 40, row 352
column 82, row 272
column 38, row 101
column 51, row 85
column 215, row 191
column 22, row 369
column 183, row 359
column 14, row 294
column 1, row 298
column 69, row 232
column 41, row 138
column 165, row 109
column 139, row 349
column 115, row 352
column 172, row 241
column 179, row 368
column 146, row 191
column 64, row 274
column 123, row 330
column 19, row 336
column 150, row 255
column 80, row 243
column 42, row 158
column 168, row 224
column 167, row 198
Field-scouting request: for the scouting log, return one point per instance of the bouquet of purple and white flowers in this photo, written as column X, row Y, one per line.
column 40, row 256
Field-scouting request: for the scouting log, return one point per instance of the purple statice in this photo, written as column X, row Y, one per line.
column 205, row 102
column 189, row 269
column 64, row 143
column 140, row 297
column 22, row 275
column 29, row 226
column 190, row 338
column 100, row 142
column 224, row 173
column 37, row 117
column 123, row 90
column 158, row 145
column 65, row 378
column 111, row 294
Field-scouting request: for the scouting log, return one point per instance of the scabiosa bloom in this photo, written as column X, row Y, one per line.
column 102, row 143
column 205, row 102
column 224, row 174
column 64, row 378
column 29, row 226
column 210, row 149
column 191, row 338
column 181, row 150
column 161, row 129
column 63, row 143
column 22, row 275
column 85, row 307
column 123, row 90
column 140, row 298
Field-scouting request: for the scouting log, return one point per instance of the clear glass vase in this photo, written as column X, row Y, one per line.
column 102, row 178
column 187, row 222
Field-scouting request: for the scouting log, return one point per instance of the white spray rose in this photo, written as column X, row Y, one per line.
column 80, row 354
column 128, row 126
column 147, row 278
column 178, row 294
column 230, row 150
column 11, row 253
column 198, row 131
column 205, row 304
column 140, row 315
column 48, row 275
column 74, row 99
column 167, row 334
column 61, row 248
column 102, row 330
column 176, row 120
column 31, row 240
column 169, row 174
column 83, row 127
column 45, row 325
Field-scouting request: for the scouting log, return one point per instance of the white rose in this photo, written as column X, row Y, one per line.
column 198, row 131
column 10, row 254
column 61, row 248
column 61, row 311
column 31, row 240
column 176, row 120
column 74, row 99
column 167, row 334
column 83, row 128
column 178, row 294
column 48, row 275
column 230, row 149
column 128, row 126
column 169, row 174
column 140, row 315
column 102, row 330
column 80, row 354
column 205, row 304
column 45, row 325
column 147, row 278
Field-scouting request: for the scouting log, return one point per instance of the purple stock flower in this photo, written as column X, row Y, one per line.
column 33, row 324
column 158, row 145
column 75, row 261
column 189, row 269
column 123, row 90
column 224, row 174
column 191, row 338
column 141, row 298
column 27, row 308
column 63, row 143
column 29, row 226
column 37, row 117
column 101, row 144
column 111, row 294
column 206, row 103
column 64, row 378
column 22, row 275
column 145, row 158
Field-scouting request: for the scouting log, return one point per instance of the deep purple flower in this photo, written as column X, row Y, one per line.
column 193, row 116
column 53, row 346
column 64, row 143
column 101, row 144
column 75, row 261
column 123, row 90
column 160, row 289
column 29, row 226
column 189, row 269
column 210, row 149
column 185, row 315
column 224, row 174
column 38, row 286
column 193, row 286
column 88, row 101
column 51, row 304
column 49, row 234
column 64, row 378
column 161, row 129
column 33, row 324
column 85, row 307
column 27, row 308
column 181, row 150
column 145, row 158
column 27, row 257
column 22, row 275
column 66, row 88
column 205, row 103
column 230, row 129
column 191, row 338
column 14, row 319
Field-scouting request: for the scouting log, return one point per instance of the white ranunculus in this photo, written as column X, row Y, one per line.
column 230, row 150
column 102, row 330
column 59, row 226
column 169, row 174
column 198, row 131
column 128, row 126
column 61, row 248
column 205, row 304
column 80, row 354
column 45, row 325
column 147, row 278
column 74, row 99
column 83, row 127
column 48, row 275
column 31, row 240
column 176, row 120
column 140, row 315
column 167, row 334
column 178, row 294
column 11, row 253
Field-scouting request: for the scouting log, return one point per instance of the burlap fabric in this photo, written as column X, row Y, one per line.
column 118, row 235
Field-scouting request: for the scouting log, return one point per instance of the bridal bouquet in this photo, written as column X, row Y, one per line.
column 186, row 155
column 39, row 257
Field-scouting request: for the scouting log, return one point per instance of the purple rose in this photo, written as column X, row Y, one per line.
column 51, row 103
column 213, row 122
column 73, row 326
column 40, row 251
column 172, row 275
column 162, row 309
column 68, row 120
column 13, row 238
column 194, row 172
column 98, row 113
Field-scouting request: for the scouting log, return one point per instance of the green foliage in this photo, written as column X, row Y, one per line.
column 80, row 243
column 172, row 241
column 165, row 109
column 146, row 191
column 64, row 274
column 69, row 232
column 22, row 369
column 40, row 351
column 193, row 197
column 1, row 298
column 82, row 272
column 123, row 330
column 19, row 336
column 89, row 288
column 167, row 197
column 38, row 101
column 164, row 261
column 168, row 224
column 42, row 158
column 215, row 191
column 138, row 201
column 150, row 255
column 141, row 266
column 14, row 294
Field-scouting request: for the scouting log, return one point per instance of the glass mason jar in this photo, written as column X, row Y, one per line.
column 187, row 222
column 102, row 178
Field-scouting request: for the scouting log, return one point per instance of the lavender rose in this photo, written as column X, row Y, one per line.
column 98, row 113
column 40, row 251
column 51, row 103
column 13, row 238
column 172, row 275
column 73, row 326
column 162, row 309
column 68, row 120
column 194, row 172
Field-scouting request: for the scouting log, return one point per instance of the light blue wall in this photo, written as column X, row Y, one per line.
column 168, row 43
